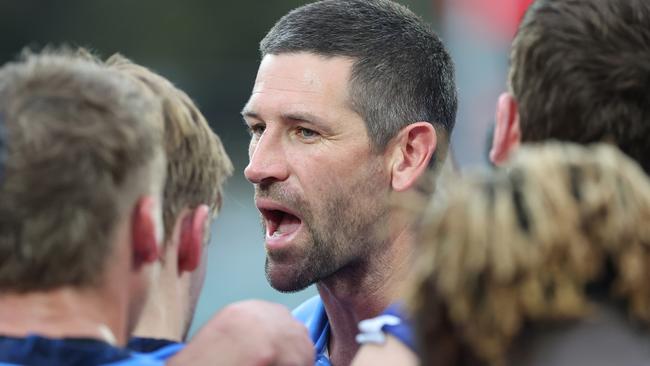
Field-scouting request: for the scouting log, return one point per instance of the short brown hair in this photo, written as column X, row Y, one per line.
column 82, row 146
column 527, row 246
column 580, row 72
column 402, row 72
column 197, row 163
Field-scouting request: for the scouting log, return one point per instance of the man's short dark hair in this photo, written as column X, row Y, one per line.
column 402, row 72
column 580, row 71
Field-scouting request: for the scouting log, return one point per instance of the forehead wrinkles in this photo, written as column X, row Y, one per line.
column 310, row 82
column 302, row 83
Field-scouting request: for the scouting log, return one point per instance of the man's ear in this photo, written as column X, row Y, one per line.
column 507, row 133
column 144, row 241
column 413, row 148
column 193, row 231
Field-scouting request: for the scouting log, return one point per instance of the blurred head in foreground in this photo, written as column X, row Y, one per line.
column 544, row 263
column 197, row 167
column 579, row 72
column 80, row 201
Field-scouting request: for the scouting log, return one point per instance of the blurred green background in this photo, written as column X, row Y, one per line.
column 210, row 50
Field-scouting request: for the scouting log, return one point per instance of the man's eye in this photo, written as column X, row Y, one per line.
column 307, row 133
column 256, row 130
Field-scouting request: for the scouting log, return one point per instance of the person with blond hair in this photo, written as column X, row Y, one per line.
column 197, row 167
column 80, row 209
column 82, row 223
column 577, row 74
column 543, row 263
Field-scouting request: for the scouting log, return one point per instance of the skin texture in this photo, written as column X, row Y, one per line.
column 172, row 300
column 249, row 333
column 292, row 161
column 311, row 156
column 507, row 132
column 107, row 312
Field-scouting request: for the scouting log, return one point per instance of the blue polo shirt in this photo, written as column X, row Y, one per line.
column 312, row 314
column 41, row 351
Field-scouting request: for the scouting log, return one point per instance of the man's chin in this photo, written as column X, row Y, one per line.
column 286, row 279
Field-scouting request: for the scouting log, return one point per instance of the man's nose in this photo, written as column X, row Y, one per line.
column 267, row 162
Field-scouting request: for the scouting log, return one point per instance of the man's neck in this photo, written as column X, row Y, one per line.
column 363, row 291
column 165, row 307
column 63, row 313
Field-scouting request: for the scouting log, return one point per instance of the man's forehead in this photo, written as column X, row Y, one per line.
column 303, row 72
column 309, row 82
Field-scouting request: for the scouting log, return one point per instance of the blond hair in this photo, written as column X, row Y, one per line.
column 197, row 164
column 82, row 146
column 524, row 246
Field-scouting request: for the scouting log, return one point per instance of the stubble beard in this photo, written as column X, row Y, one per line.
column 342, row 234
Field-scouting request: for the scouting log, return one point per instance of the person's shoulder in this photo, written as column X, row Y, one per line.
column 312, row 314
column 40, row 350
column 310, row 310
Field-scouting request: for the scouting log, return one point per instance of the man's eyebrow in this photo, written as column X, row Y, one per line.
column 291, row 117
column 249, row 113
column 303, row 117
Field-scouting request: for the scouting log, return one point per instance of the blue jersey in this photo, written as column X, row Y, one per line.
column 149, row 345
column 41, row 351
column 312, row 314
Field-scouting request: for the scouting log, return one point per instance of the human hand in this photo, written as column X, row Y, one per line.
column 254, row 333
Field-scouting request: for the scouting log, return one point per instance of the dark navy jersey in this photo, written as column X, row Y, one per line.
column 148, row 345
column 37, row 350
column 40, row 351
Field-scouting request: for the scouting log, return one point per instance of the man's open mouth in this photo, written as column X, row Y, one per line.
column 279, row 222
